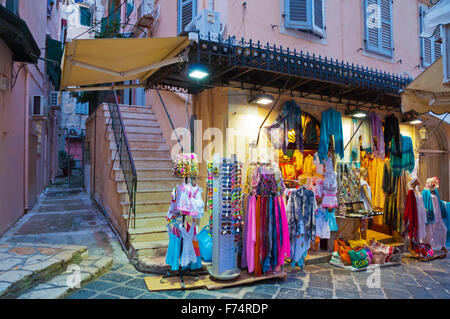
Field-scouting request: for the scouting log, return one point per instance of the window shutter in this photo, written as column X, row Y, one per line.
column 298, row 14
column 386, row 27
column 85, row 16
column 318, row 17
column 436, row 44
column 13, row 6
column 431, row 49
column 378, row 26
column 187, row 10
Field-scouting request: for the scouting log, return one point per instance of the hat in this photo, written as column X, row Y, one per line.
column 412, row 180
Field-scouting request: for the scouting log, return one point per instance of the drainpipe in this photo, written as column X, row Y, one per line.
column 26, row 139
column 211, row 5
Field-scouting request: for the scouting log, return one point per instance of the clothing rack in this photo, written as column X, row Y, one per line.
column 186, row 272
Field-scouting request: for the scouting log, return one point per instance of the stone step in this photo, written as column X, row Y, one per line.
column 140, row 122
column 151, row 248
column 148, row 163
column 154, row 144
column 132, row 116
column 139, row 129
column 64, row 284
column 148, row 175
column 148, row 194
column 144, row 153
column 36, row 263
column 131, row 108
column 149, row 234
column 147, row 206
column 139, row 137
column 143, row 220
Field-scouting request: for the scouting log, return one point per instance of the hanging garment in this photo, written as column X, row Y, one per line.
column 402, row 191
column 322, row 224
column 197, row 204
column 421, row 215
column 308, row 165
column 378, row 194
column 258, row 237
column 329, row 186
column 245, row 204
column 290, row 118
column 437, row 231
column 362, row 139
column 188, row 254
column 298, row 157
column 251, row 234
column 390, row 204
column 378, row 147
column 392, row 131
column 331, row 124
column 173, row 251
column 367, row 201
column 403, row 160
column 410, row 218
column 320, row 168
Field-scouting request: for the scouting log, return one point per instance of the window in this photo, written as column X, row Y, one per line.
column 85, row 16
column 13, row 6
column 305, row 15
column 430, row 48
column 378, row 27
column 187, row 10
column 82, row 108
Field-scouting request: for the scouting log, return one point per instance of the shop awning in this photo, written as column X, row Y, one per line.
column 98, row 61
column 427, row 92
column 14, row 31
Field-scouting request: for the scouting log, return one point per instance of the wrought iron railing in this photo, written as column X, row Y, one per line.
column 125, row 158
column 275, row 58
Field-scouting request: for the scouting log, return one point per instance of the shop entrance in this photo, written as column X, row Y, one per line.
column 75, row 152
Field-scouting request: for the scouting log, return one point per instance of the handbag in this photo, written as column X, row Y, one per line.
column 205, row 243
column 332, row 221
column 343, row 249
column 358, row 258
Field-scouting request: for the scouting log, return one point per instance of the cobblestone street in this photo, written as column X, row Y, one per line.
column 412, row 279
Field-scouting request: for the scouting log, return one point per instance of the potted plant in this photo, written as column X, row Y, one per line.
column 63, row 162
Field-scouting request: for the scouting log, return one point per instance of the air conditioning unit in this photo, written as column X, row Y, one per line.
column 73, row 131
column 54, row 99
column 147, row 12
column 207, row 23
column 38, row 106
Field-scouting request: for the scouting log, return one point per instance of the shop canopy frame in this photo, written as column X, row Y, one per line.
column 274, row 69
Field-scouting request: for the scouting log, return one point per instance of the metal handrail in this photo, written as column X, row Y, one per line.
column 125, row 157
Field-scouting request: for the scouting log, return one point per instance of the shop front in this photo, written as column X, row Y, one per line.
column 323, row 166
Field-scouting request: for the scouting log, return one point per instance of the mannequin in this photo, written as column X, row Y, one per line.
column 421, row 213
column 436, row 232
column 365, row 191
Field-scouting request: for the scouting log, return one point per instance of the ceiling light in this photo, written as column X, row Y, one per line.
column 262, row 99
column 359, row 114
column 198, row 72
column 415, row 121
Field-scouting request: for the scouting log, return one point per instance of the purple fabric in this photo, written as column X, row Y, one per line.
column 377, row 131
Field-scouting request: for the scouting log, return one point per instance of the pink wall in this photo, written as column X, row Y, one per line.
column 27, row 157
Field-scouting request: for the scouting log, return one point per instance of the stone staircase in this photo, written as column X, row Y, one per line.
column 153, row 165
column 46, row 271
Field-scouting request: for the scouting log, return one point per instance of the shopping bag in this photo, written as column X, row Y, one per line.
column 205, row 243
column 359, row 258
column 332, row 221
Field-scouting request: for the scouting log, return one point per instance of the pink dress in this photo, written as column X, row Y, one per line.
column 251, row 235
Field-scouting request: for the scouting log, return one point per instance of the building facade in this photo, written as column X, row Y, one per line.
column 29, row 70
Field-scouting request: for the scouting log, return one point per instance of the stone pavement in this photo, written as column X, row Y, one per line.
column 411, row 279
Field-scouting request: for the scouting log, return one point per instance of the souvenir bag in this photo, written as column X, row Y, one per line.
column 381, row 253
column 205, row 243
column 332, row 220
column 342, row 248
column 358, row 258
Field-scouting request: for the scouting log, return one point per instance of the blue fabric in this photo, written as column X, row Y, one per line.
column 301, row 206
column 405, row 160
column 205, row 243
column 426, row 194
column 173, row 252
column 331, row 124
column 332, row 221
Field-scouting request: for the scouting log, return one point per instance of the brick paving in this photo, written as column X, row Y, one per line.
column 411, row 279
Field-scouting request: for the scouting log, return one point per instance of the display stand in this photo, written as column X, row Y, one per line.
column 224, row 256
column 186, row 272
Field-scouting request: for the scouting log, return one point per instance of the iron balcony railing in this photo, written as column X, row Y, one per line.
column 125, row 158
column 266, row 57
